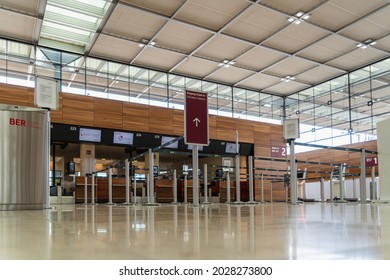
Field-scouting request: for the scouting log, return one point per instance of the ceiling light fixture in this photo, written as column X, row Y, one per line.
column 287, row 79
column 226, row 63
column 366, row 44
column 298, row 18
column 146, row 42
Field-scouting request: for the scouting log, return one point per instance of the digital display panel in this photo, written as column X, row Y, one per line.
column 125, row 138
column 90, row 135
column 147, row 140
column 165, row 139
column 231, row 148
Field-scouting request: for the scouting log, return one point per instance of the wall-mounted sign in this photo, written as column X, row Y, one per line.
column 372, row 161
column 278, row 151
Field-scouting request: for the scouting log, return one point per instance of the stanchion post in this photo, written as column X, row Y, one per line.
column 354, row 187
column 331, row 185
column 227, row 187
column 205, row 192
column 342, row 182
column 195, row 175
column 262, row 188
column 322, row 186
column 135, row 188
column 85, row 189
column 93, row 188
column 147, row 188
column 174, row 187
column 151, row 176
column 127, row 174
column 293, row 182
column 363, row 194
column 270, row 187
column 373, row 185
column 250, row 178
column 185, row 189
column 110, row 185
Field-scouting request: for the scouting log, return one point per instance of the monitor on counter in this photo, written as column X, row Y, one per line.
column 90, row 135
column 125, row 138
column 165, row 139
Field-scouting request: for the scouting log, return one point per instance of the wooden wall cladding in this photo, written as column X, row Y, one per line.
column 77, row 109
column 161, row 120
column 212, row 127
column 135, row 117
column 107, row 113
column 245, row 130
column 14, row 95
column 178, row 120
column 226, row 129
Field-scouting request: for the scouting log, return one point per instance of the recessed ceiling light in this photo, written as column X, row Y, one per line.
column 287, row 79
column 298, row 18
column 226, row 63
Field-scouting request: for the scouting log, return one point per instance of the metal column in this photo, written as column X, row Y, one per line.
column 174, row 187
column 110, row 186
column 293, row 182
column 250, row 178
column 227, row 187
column 151, row 201
column 322, row 186
column 206, row 193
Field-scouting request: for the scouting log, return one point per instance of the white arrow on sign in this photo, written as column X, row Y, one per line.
column 197, row 121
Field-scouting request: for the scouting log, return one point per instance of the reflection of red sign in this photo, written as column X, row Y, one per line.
column 278, row 151
column 196, row 118
column 372, row 161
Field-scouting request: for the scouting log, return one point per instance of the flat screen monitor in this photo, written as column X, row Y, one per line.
column 165, row 139
column 231, row 148
column 125, row 138
column 147, row 140
column 90, row 135
column 300, row 175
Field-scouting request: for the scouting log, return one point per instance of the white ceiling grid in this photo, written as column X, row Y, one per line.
column 194, row 37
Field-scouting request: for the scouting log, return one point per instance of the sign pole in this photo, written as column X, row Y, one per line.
column 195, row 175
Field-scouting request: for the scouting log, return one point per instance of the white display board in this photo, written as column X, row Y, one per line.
column 291, row 128
column 46, row 93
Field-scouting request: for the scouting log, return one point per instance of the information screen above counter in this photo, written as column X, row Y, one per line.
column 64, row 133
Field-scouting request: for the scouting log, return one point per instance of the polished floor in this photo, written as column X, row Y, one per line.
column 273, row 231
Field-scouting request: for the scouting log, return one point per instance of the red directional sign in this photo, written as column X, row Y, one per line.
column 196, row 118
column 372, row 161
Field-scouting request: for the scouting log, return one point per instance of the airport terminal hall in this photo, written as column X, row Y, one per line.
column 194, row 130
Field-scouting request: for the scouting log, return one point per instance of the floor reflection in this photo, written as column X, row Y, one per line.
column 215, row 231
